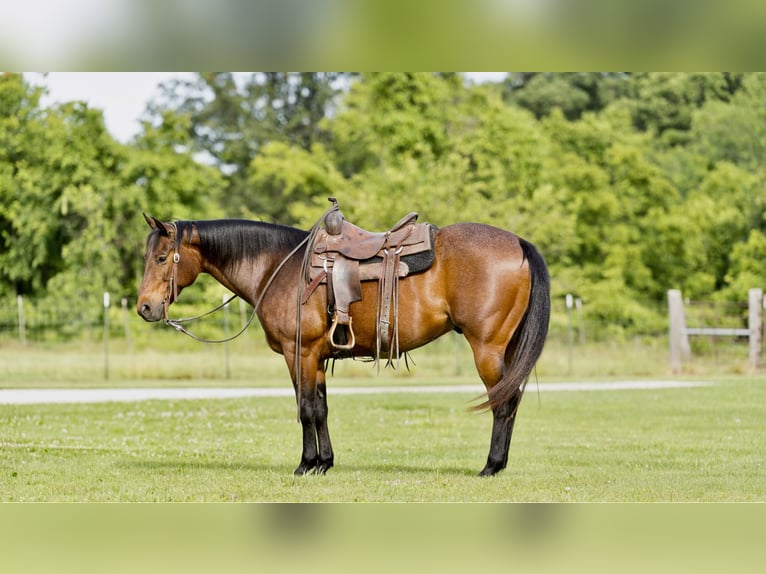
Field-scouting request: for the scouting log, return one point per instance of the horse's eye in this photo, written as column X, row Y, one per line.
column 161, row 259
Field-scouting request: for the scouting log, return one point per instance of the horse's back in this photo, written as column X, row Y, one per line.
column 476, row 240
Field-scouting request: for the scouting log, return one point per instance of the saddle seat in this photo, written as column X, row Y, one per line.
column 342, row 255
column 356, row 243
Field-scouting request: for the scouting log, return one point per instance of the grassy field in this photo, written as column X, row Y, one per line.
column 694, row 444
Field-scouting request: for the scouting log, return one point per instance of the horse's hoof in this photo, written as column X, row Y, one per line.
column 323, row 467
column 490, row 470
column 304, row 468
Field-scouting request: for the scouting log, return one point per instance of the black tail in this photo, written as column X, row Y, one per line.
column 527, row 342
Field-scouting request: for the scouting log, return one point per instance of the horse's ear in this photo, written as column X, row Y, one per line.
column 155, row 223
column 150, row 220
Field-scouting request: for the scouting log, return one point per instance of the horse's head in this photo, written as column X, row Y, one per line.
column 171, row 262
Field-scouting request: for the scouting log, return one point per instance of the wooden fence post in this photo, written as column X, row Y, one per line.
column 679, row 339
column 754, row 324
column 22, row 320
column 106, row 335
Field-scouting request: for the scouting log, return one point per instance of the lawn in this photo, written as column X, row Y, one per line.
column 704, row 443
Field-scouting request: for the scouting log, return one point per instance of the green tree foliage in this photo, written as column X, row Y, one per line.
column 232, row 117
column 461, row 153
column 664, row 103
column 571, row 93
column 71, row 197
column 630, row 184
column 295, row 179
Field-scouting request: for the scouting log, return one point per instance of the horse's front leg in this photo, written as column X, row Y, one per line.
column 311, row 394
column 325, row 458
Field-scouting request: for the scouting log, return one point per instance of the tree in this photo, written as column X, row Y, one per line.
column 457, row 153
column 232, row 117
column 733, row 131
column 71, row 198
column 293, row 182
column 572, row 93
column 58, row 169
column 629, row 184
column 664, row 103
column 746, row 269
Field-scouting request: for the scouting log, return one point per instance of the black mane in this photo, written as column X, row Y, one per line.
column 229, row 242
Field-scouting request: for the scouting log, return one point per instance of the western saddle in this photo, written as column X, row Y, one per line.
column 341, row 255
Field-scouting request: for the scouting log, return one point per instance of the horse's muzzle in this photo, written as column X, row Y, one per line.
column 149, row 312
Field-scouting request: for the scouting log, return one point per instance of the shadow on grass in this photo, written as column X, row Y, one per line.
column 394, row 468
column 287, row 469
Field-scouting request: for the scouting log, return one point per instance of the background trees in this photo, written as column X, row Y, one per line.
column 71, row 197
column 233, row 117
column 631, row 184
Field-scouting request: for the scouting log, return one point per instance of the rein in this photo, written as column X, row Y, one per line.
column 177, row 324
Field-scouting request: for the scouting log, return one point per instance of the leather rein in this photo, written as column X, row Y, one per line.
column 172, row 290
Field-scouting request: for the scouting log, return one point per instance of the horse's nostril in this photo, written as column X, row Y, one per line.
column 145, row 310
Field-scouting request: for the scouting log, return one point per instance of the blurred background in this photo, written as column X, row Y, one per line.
column 630, row 184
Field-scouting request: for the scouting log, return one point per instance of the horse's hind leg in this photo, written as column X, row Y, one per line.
column 503, row 418
column 490, row 365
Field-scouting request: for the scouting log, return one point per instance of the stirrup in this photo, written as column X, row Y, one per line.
column 331, row 335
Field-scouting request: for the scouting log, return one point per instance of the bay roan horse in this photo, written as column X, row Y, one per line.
column 486, row 283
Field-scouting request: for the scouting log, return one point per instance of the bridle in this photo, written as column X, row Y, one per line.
column 171, row 294
column 172, row 279
column 172, row 291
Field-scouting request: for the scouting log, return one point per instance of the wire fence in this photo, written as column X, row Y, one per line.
column 28, row 320
column 716, row 318
column 578, row 344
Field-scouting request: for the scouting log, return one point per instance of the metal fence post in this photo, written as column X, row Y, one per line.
column 569, row 300
column 580, row 322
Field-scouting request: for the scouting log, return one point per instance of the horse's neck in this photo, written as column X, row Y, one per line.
column 249, row 279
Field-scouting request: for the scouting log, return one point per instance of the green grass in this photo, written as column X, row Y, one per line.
column 696, row 444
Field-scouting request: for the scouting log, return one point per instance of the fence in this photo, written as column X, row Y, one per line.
column 715, row 320
column 579, row 343
column 35, row 322
column 32, row 321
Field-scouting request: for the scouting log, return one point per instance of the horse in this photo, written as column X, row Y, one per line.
column 486, row 283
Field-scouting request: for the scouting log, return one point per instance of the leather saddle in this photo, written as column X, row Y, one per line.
column 343, row 255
